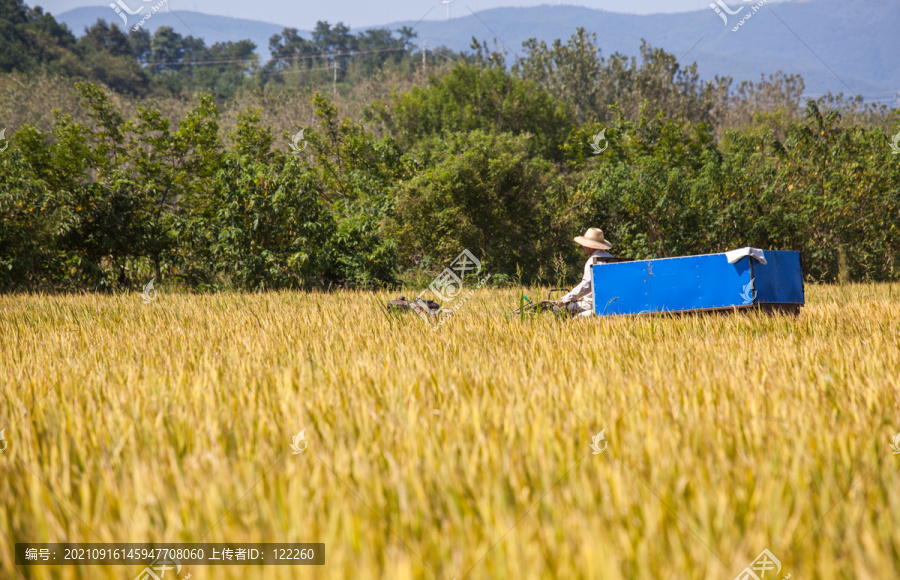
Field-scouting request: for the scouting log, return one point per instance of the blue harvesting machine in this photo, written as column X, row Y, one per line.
column 766, row 279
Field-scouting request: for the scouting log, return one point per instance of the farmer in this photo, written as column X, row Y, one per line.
column 580, row 301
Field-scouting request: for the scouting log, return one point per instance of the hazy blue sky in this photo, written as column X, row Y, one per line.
column 359, row 13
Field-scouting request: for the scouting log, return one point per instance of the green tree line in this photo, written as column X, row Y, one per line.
column 508, row 161
column 137, row 63
column 99, row 205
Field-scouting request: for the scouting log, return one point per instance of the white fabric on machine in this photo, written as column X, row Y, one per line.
column 755, row 253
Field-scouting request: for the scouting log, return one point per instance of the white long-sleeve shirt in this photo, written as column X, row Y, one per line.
column 583, row 293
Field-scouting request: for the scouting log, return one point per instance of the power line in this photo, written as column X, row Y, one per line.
column 288, row 58
column 303, row 70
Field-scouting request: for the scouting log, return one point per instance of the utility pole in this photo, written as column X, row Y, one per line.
column 334, row 85
column 424, row 65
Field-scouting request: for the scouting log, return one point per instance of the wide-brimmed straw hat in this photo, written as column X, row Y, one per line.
column 593, row 238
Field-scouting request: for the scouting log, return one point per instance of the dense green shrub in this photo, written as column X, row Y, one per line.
column 663, row 189
column 473, row 98
column 265, row 227
column 481, row 192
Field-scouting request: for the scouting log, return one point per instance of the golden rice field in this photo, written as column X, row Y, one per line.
column 462, row 453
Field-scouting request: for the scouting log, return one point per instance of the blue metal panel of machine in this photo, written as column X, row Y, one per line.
column 694, row 283
column 779, row 280
column 625, row 291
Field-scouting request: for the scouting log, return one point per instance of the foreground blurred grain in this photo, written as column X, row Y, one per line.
column 462, row 452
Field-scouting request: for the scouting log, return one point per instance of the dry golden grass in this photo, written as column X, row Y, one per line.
column 458, row 453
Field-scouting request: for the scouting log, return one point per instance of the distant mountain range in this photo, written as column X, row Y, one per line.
column 838, row 46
